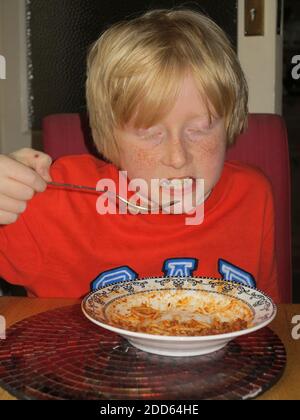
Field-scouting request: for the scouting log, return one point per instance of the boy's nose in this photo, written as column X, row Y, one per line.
column 175, row 154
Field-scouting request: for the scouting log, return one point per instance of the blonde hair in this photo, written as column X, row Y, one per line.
column 136, row 69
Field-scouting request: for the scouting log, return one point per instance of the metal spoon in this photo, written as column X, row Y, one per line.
column 85, row 188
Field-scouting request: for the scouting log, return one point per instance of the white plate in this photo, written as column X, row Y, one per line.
column 99, row 306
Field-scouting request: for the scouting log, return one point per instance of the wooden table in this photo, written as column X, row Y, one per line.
column 288, row 388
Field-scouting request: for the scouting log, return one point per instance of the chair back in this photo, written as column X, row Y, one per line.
column 264, row 145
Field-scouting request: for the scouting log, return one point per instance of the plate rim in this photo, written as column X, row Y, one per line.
column 173, row 338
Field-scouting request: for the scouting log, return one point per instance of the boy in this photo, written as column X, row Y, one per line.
column 166, row 97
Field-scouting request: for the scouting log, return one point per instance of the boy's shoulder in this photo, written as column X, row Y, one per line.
column 245, row 172
column 78, row 161
column 78, row 167
column 247, row 176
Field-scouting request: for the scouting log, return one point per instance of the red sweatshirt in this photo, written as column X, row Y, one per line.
column 61, row 247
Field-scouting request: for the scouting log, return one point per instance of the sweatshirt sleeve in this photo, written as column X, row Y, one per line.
column 21, row 243
column 20, row 256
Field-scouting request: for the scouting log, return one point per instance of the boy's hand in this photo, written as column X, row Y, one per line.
column 22, row 174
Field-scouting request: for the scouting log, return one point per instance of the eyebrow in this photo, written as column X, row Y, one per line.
column 202, row 117
column 191, row 118
column 194, row 116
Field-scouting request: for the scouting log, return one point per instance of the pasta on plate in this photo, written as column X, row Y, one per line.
column 179, row 313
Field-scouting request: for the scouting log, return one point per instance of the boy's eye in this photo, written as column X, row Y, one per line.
column 149, row 134
column 152, row 136
column 195, row 133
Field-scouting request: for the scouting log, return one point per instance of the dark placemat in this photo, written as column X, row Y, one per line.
column 61, row 355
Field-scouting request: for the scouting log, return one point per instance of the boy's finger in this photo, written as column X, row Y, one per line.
column 23, row 174
column 7, row 218
column 44, row 172
column 42, row 164
column 12, row 205
column 38, row 161
column 17, row 190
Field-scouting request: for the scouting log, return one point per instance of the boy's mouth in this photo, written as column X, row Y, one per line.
column 177, row 183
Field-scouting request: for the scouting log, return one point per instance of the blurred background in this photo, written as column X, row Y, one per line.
column 45, row 45
column 291, row 114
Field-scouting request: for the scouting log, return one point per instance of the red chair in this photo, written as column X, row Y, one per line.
column 67, row 134
column 264, row 145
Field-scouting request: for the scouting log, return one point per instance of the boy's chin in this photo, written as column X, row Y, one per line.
column 172, row 210
column 170, row 204
column 187, row 206
column 177, row 206
column 178, row 209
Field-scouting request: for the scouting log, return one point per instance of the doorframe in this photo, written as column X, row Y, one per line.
column 261, row 58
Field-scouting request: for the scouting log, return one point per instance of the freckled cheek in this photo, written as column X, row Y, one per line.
column 139, row 163
column 209, row 158
column 211, row 148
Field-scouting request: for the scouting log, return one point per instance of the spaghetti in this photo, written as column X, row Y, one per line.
column 180, row 313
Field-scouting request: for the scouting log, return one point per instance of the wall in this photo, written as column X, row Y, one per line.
column 62, row 30
column 14, row 130
column 262, row 58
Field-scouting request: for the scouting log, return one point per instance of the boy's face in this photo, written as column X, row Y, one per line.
column 182, row 145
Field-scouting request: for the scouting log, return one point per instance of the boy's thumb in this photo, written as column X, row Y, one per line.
column 44, row 172
column 43, row 167
column 36, row 160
